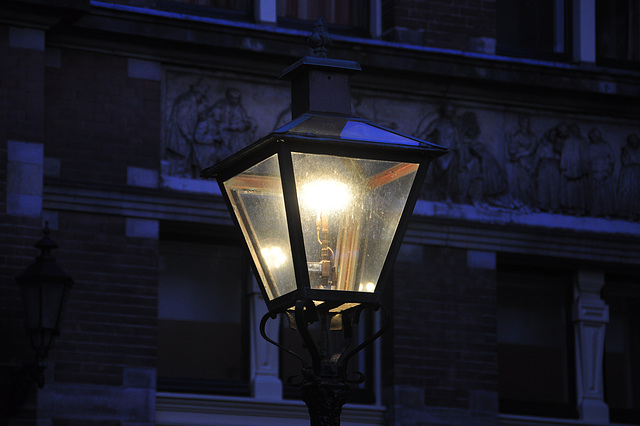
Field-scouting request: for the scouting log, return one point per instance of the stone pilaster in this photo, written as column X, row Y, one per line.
column 590, row 317
column 265, row 383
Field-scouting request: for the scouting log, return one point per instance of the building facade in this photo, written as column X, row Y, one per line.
column 516, row 295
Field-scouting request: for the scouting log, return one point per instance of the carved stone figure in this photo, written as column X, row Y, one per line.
column 629, row 179
column 602, row 162
column 493, row 180
column 574, row 168
column 548, row 172
column 467, row 178
column 181, row 128
column 444, row 131
column 223, row 129
column 521, row 146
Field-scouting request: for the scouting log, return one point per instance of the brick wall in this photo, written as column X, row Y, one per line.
column 444, row 337
column 98, row 120
column 111, row 319
column 460, row 24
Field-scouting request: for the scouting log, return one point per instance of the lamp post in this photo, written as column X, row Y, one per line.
column 45, row 288
column 323, row 203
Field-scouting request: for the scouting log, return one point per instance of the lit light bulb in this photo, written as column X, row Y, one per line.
column 368, row 287
column 325, row 196
column 274, row 256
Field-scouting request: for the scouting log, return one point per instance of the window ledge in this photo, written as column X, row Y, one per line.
column 523, row 217
column 517, row 420
column 192, row 409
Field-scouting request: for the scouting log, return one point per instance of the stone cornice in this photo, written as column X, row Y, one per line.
column 606, row 245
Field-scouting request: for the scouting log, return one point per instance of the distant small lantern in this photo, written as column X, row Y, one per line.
column 323, row 202
column 45, row 288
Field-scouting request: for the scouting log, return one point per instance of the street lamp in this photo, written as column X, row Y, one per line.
column 45, row 288
column 323, row 203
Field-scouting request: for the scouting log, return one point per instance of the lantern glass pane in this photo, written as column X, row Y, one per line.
column 53, row 294
column 31, row 300
column 258, row 203
column 350, row 209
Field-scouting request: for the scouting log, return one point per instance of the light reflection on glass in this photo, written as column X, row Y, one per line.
column 274, row 256
column 368, row 287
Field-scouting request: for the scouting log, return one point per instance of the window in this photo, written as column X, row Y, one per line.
column 535, row 343
column 622, row 349
column 240, row 9
column 201, row 306
column 237, row 9
column 618, row 31
column 343, row 17
column 534, row 28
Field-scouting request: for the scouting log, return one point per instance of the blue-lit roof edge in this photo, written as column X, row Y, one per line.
column 286, row 129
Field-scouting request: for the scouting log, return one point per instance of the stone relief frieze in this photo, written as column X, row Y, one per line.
column 629, row 179
column 497, row 158
column 208, row 119
column 470, row 173
column 553, row 169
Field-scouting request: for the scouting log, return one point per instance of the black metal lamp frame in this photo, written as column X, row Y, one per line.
column 282, row 143
column 326, row 380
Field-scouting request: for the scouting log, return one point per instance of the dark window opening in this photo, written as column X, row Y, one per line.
column 202, row 307
column 622, row 349
column 225, row 9
column 618, row 32
column 235, row 10
column 536, row 373
column 537, row 29
column 343, row 17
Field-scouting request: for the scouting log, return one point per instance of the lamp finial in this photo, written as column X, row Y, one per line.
column 320, row 38
column 46, row 244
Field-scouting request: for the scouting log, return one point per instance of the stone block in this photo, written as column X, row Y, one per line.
column 25, row 152
column 24, row 178
column 147, row 70
column 142, row 177
column 267, row 388
column 139, row 378
column 26, row 38
column 91, row 402
column 481, row 259
column 142, row 228
column 483, row 45
column 24, row 205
